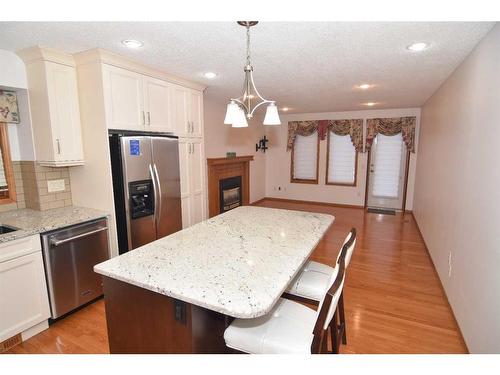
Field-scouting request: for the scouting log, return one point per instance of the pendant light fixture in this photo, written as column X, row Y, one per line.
column 241, row 109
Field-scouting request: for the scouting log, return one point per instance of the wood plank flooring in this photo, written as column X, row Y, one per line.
column 393, row 298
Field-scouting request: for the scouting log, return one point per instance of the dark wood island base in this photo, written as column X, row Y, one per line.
column 144, row 322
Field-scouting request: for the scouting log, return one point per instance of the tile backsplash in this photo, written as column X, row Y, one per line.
column 34, row 181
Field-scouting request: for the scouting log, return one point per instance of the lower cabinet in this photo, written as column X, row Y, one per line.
column 193, row 181
column 23, row 292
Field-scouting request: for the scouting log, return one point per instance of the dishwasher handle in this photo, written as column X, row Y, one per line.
column 55, row 242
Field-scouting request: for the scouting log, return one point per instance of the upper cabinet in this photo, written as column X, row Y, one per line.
column 135, row 101
column 187, row 106
column 55, row 113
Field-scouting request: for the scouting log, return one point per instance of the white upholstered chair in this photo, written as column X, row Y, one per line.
column 290, row 327
column 313, row 279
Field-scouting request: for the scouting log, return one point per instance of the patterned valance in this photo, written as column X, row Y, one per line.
column 340, row 127
column 352, row 127
column 392, row 126
column 8, row 107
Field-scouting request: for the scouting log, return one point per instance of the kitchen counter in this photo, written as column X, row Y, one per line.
column 237, row 264
column 32, row 222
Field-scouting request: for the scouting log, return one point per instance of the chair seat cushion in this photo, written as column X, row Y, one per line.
column 287, row 328
column 312, row 281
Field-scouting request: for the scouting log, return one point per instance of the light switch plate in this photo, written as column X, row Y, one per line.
column 55, row 185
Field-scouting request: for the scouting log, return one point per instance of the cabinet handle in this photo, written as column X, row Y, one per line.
column 192, row 127
column 149, row 119
column 143, row 118
column 58, row 146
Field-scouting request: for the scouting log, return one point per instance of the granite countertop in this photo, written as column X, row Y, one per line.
column 238, row 263
column 32, row 221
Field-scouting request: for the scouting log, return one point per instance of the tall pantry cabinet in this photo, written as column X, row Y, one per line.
column 117, row 93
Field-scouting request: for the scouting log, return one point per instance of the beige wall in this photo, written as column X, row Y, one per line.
column 220, row 138
column 278, row 162
column 457, row 194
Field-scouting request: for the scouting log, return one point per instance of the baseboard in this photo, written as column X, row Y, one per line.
column 308, row 202
column 35, row 330
column 258, row 201
column 440, row 282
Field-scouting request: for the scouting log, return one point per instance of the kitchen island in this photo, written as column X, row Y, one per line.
column 178, row 294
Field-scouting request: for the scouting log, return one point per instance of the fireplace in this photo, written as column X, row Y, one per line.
column 230, row 193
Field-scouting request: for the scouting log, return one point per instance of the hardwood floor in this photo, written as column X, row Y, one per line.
column 393, row 298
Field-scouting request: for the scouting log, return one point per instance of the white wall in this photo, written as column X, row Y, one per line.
column 278, row 162
column 13, row 77
column 220, row 138
column 457, row 194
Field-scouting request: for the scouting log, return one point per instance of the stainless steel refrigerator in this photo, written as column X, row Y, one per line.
column 146, row 185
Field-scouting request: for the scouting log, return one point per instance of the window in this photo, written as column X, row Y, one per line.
column 7, row 188
column 305, row 159
column 342, row 160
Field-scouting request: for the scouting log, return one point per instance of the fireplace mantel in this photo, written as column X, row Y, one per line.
column 221, row 168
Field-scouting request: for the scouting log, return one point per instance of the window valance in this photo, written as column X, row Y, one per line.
column 340, row 127
column 392, row 126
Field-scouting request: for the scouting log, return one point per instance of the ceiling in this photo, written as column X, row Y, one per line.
column 307, row 66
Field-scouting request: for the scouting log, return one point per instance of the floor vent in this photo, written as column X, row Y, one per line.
column 381, row 211
column 10, row 343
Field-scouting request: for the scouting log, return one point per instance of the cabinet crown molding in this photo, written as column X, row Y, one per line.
column 40, row 53
column 99, row 55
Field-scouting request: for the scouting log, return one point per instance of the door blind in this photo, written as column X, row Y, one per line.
column 387, row 165
column 305, row 157
column 341, row 160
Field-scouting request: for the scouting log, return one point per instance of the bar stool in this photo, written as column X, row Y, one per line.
column 291, row 327
column 312, row 280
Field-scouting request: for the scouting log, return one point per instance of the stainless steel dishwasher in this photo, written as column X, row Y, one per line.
column 69, row 256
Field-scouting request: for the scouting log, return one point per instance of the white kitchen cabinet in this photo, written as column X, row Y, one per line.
column 55, row 113
column 23, row 290
column 123, row 98
column 187, row 111
column 135, row 101
column 193, row 182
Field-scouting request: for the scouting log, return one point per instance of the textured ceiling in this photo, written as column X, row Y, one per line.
column 307, row 66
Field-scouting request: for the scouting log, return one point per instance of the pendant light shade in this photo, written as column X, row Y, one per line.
column 272, row 116
column 240, row 119
column 231, row 113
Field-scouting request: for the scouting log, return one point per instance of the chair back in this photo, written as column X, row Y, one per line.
column 348, row 248
column 327, row 307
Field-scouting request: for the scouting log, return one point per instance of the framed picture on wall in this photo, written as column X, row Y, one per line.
column 8, row 107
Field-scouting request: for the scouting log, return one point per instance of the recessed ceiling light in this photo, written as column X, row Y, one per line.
column 132, row 43
column 285, row 109
column 365, row 86
column 370, row 104
column 210, row 75
column 419, row 46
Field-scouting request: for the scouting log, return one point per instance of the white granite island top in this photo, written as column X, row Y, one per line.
column 238, row 263
column 30, row 221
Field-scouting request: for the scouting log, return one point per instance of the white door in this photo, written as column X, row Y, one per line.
column 157, row 105
column 184, row 167
column 197, row 172
column 196, row 113
column 387, row 172
column 23, row 294
column 64, row 112
column 123, row 99
column 180, row 100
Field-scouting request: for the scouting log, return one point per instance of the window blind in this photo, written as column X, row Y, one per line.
column 305, row 157
column 341, row 160
column 387, row 176
column 3, row 179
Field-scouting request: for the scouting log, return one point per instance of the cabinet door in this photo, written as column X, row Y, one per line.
column 123, row 99
column 64, row 112
column 23, row 294
column 185, row 149
column 180, row 100
column 197, row 172
column 157, row 105
column 196, row 113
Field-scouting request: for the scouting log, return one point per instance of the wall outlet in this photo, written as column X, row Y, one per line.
column 449, row 264
column 55, row 185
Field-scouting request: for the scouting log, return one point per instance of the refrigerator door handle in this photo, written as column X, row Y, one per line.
column 157, row 208
column 155, row 190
